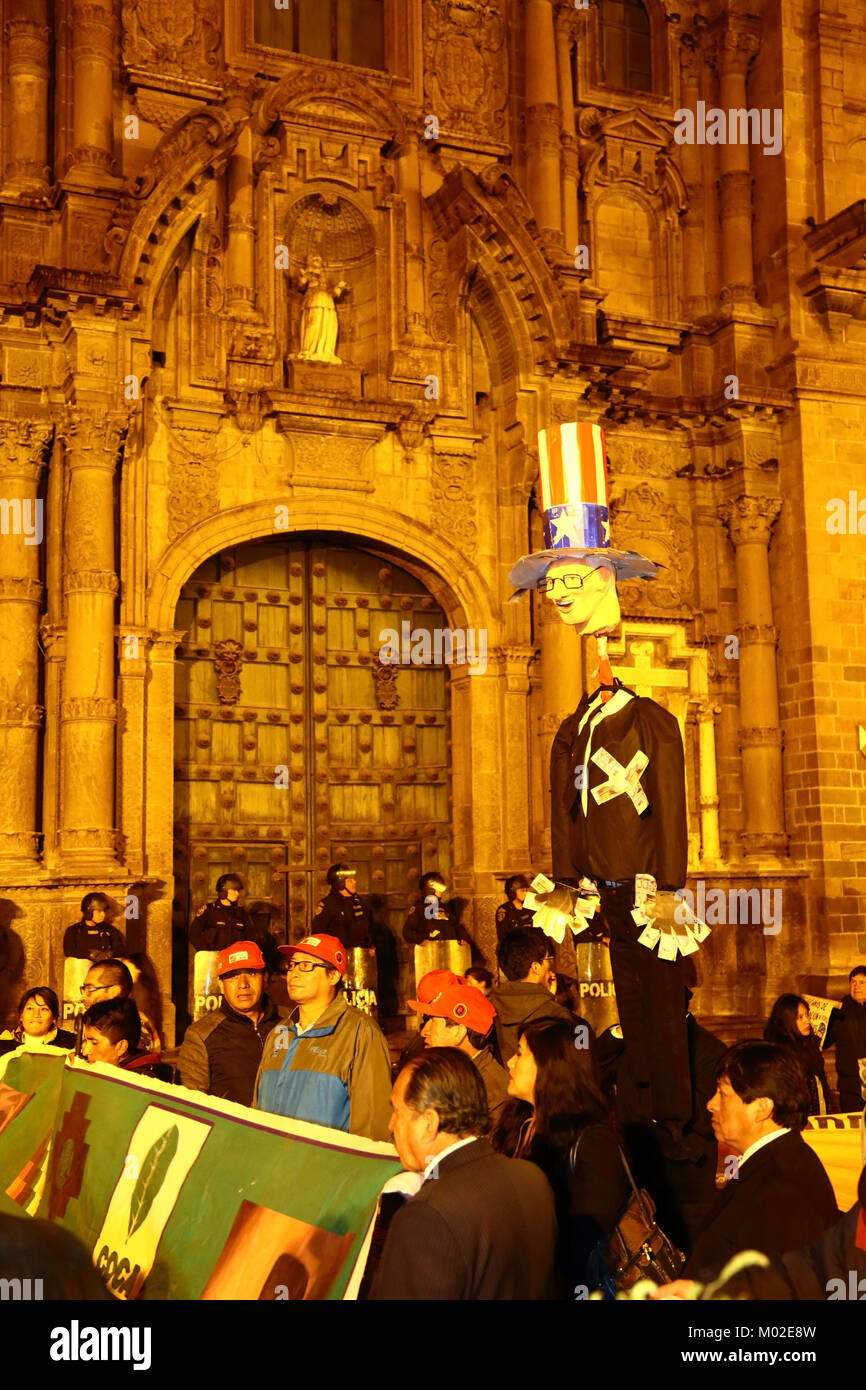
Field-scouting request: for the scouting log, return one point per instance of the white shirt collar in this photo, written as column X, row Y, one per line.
column 598, row 711
column 760, row 1143
column 437, row 1158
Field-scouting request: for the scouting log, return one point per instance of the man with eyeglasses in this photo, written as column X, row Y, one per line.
column 110, row 979
column 329, row 1063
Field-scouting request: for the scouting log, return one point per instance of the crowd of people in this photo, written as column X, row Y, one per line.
column 509, row 1100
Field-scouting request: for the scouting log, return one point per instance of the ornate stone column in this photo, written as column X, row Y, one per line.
column 241, row 227
column 28, row 75
column 409, row 174
column 22, row 449
column 708, row 785
column 92, row 436
column 749, row 521
column 736, row 46
column 543, row 120
column 92, row 153
column 562, row 687
column 568, row 137
column 692, row 223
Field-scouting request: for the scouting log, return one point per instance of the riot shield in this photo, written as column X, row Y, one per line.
column 361, row 981
column 75, row 969
column 595, row 985
column 206, row 992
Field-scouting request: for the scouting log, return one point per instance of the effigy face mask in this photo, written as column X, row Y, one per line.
column 584, row 595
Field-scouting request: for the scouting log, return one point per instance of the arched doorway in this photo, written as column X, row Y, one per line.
column 295, row 747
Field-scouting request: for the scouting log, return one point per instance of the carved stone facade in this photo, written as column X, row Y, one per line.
column 522, row 241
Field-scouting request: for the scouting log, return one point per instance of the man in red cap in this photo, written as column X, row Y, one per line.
column 329, row 1063
column 221, row 1052
column 458, row 1015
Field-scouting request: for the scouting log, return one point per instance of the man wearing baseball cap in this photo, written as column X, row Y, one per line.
column 328, row 1063
column 221, row 1052
column 458, row 1015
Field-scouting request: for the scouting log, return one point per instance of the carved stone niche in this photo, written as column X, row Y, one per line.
column 331, row 274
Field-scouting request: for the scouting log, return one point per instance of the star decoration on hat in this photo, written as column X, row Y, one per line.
column 558, row 532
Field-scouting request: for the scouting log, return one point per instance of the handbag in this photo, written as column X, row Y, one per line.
column 637, row 1247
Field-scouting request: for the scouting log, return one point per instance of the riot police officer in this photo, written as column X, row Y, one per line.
column 221, row 923
column 512, row 914
column 93, row 938
column 430, row 919
column 341, row 913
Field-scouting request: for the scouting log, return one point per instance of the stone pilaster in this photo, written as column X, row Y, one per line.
column 92, row 437
column 22, row 450
column 568, row 137
column 692, row 222
column 241, row 227
column 708, row 789
column 735, row 46
column 91, row 157
column 749, row 521
column 543, row 120
column 28, row 76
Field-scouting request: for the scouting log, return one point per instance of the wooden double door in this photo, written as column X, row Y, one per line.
column 296, row 747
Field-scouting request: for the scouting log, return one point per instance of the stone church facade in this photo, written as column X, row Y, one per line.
column 287, row 293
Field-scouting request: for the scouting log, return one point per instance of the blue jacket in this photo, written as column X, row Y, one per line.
column 337, row 1073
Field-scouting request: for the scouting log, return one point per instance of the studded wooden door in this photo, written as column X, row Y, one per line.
column 295, row 748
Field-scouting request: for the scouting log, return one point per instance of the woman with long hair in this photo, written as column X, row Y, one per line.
column 559, row 1120
column 790, row 1024
column 38, row 1019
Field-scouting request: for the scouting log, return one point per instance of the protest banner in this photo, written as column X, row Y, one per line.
column 837, row 1140
column 178, row 1195
column 820, row 1011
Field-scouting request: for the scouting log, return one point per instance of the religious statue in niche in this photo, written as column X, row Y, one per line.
column 319, row 324
column 618, row 800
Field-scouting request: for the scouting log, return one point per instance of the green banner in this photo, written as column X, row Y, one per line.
column 182, row 1196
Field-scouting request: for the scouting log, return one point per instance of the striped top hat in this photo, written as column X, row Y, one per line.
column 574, row 499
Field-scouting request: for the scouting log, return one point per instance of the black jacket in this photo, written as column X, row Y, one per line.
column 518, row 1002
column 511, row 917
column 483, row 1229
column 848, row 1032
column 781, row 1198
column 614, row 840
column 346, row 918
column 92, row 943
column 220, row 1053
column 419, row 928
column 590, row 1189
column 218, row 925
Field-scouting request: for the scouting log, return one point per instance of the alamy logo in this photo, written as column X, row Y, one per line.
column 17, row 519
column 443, row 646
column 735, row 127
column 75, row 1343
column 24, row 1290
column 736, row 907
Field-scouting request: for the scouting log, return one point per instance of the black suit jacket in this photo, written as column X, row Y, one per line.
column 483, row 1229
column 780, row 1200
column 613, row 841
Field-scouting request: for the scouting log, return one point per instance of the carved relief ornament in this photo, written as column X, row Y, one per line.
column 227, row 663
column 466, row 64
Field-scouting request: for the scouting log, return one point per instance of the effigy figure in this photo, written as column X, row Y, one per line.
column 617, row 779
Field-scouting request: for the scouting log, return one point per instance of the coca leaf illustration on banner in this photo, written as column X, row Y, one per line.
column 151, row 1178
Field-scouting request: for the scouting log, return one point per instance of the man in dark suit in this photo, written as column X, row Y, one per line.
column 482, row 1226
column 779, row 1196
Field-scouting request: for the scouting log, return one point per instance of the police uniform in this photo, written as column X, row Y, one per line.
column 419, row 928
column 217, row 925
column 83, row 942
column 344, row 917
column 632, row 748
column 512, row 917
